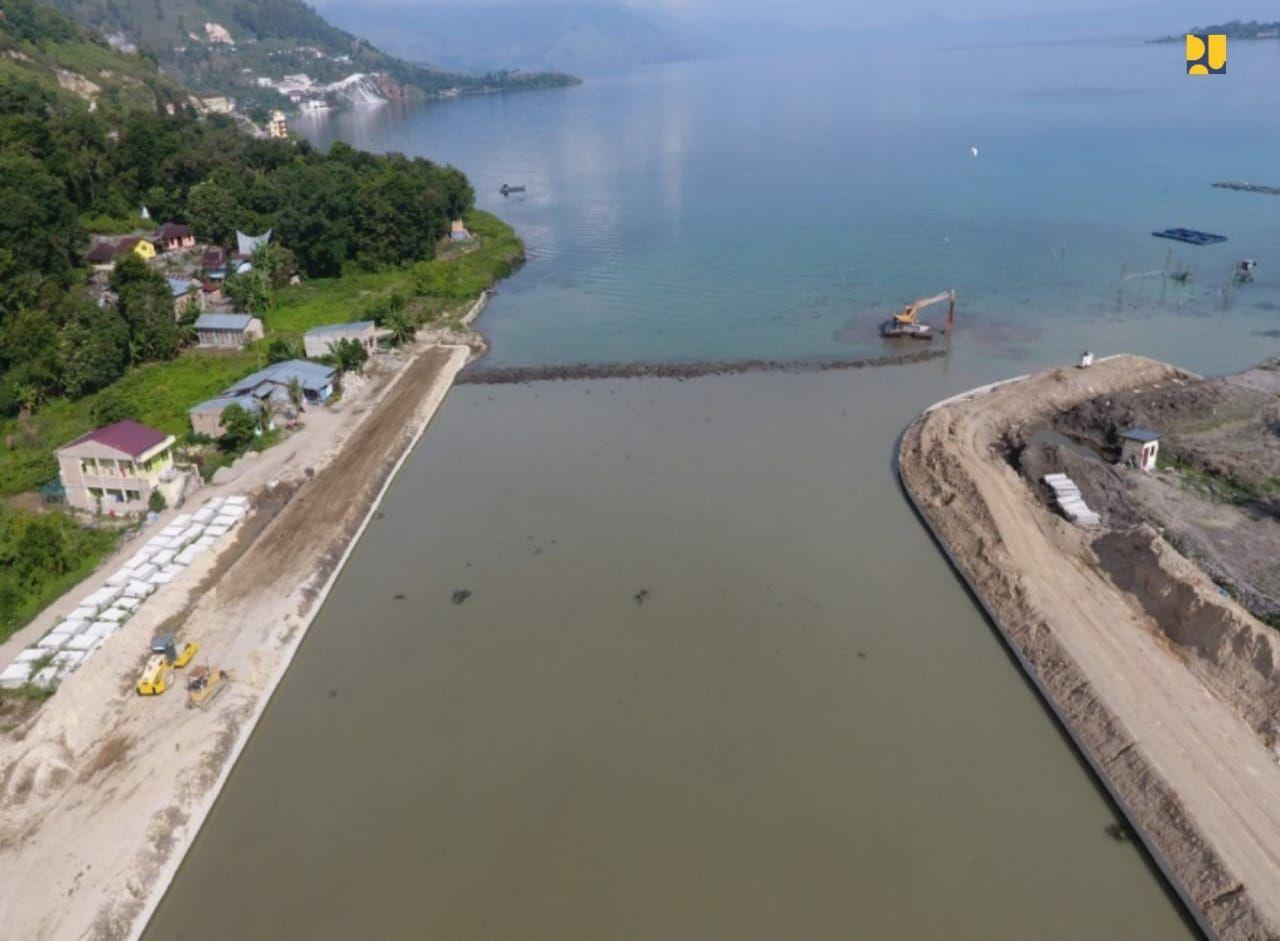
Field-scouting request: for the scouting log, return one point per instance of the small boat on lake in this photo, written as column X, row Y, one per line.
column 508, row 189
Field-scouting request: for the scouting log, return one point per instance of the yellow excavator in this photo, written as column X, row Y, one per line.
column 906, row 322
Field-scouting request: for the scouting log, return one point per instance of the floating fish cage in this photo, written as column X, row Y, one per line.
column 1190, row 236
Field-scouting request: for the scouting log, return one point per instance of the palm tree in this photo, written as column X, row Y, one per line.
column 267, row 413
column 297, row 397
column 400, row 330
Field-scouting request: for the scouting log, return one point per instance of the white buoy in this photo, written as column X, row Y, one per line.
column 974, row 151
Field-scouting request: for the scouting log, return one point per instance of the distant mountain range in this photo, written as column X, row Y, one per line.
column 1236, row 29
column 246, row 48
column 580, row 36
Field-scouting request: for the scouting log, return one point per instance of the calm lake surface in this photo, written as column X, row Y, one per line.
column 714, row 679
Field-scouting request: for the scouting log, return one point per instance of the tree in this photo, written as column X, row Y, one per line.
column 250, row 291
column 92, row 349
column 146, row 303
column 239, row 428
column 266, row 414
column 350, row 355
column 297, row 397
column 156, row 503
column 212, row 212
column 39, row 229
column 400, row 329
column 280, row 350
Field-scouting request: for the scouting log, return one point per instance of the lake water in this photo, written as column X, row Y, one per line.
column 714, row 679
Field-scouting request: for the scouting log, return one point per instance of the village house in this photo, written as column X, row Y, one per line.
column 143, row 248
column 104, row 254
column 219, row 104
column 174, row 237
column 182, row 290
column 214, row 264
column 458, row 231
column 320, row 341
column 227, row 331
column 315, row 381
column 1139, row 448
column 206, row 418
column 116, row 468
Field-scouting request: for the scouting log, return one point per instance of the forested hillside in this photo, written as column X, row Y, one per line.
column 226, row 46
column 62, row 163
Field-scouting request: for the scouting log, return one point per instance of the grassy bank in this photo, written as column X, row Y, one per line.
column 159, row 394
column 42, row 556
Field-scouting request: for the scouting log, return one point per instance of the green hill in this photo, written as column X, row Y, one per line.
column 39, row 46
column 236, row 47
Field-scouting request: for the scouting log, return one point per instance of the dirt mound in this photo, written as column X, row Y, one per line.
column 1231, row 652
column 1170, row 407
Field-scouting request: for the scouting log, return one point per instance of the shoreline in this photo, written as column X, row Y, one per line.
column 430, row 405
column 71, row 868
column 974, row 521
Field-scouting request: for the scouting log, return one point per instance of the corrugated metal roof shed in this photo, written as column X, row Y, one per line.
column 238, row 322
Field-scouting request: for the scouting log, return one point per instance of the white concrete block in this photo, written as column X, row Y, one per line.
column 82, row 642
column 189, row 554
column 32, row 654
column 217, row 531
column 139, row 589
column 144, row 574
column 52, row 641
column 15, row 675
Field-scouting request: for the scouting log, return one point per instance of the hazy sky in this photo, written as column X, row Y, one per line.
column 853, row 13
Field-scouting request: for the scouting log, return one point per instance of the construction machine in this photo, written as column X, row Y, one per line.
column 906, row 322
column 155, row 676
column 166, row 646
column 204, row 684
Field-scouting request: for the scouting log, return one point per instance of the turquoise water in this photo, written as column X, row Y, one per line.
column 782, row 207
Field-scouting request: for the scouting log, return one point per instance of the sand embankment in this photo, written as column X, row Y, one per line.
column 1169, row 739
column 102, row 792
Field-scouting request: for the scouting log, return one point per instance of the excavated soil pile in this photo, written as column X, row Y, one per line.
column 1235, row 655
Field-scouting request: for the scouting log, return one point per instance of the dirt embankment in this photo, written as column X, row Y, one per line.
column 1189, row 769
column 1238, row 658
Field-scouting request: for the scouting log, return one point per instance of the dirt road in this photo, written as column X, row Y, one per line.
column 1197, row 782
column 101, row 795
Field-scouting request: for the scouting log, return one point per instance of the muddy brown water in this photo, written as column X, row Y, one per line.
column 713, row 680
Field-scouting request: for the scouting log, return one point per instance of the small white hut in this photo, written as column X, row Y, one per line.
column 1139, row 448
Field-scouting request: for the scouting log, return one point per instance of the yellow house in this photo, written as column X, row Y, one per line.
column 117, row 467
column 144, row 249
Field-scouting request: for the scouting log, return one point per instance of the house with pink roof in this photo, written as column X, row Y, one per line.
column 116, row 468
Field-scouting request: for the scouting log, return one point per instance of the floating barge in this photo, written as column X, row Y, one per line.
column 1190, row 236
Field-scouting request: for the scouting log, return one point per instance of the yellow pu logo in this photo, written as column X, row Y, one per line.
column 1207, row 55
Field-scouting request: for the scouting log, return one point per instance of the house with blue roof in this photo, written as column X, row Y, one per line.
column 269, row 385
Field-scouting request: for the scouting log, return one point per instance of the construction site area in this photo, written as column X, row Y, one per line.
column 1118, row 521
column 1213, row 492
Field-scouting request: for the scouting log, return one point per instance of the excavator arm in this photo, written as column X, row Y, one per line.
column 911, row 312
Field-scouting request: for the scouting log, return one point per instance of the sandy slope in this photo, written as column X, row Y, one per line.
column 103, row 792
column 1195, row 779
